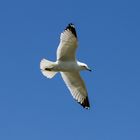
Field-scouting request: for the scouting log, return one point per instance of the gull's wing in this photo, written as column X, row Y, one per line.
column 77, row 87
column 68, row 44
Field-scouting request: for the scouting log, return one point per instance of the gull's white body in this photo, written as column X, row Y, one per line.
column 68, row 66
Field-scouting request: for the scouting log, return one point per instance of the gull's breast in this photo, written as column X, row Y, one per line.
column 67, row 66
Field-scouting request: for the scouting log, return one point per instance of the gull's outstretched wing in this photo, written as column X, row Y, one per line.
column 68, row 44
column 77, row 87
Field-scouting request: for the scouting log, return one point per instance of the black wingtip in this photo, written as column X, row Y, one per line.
column 85, row 103
column 71, row 27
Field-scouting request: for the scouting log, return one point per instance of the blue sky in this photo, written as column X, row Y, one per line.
column 109, row 42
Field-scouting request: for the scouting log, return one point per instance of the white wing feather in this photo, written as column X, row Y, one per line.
column 77, row 87
column 67, row 46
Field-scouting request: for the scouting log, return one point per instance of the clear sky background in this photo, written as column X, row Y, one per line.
column 33, row 107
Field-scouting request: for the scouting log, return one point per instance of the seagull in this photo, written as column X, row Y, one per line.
column 68, row 66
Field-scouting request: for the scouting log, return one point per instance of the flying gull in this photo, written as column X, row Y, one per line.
column 68, row 66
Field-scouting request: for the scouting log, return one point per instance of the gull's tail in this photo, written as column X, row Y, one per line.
column 45, row 66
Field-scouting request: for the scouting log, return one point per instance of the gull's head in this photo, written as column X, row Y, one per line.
column 84, row 66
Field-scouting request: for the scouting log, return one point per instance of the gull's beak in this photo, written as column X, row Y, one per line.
column 89, row 69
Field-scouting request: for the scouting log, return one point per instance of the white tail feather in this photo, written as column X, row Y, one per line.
column 47, row 64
